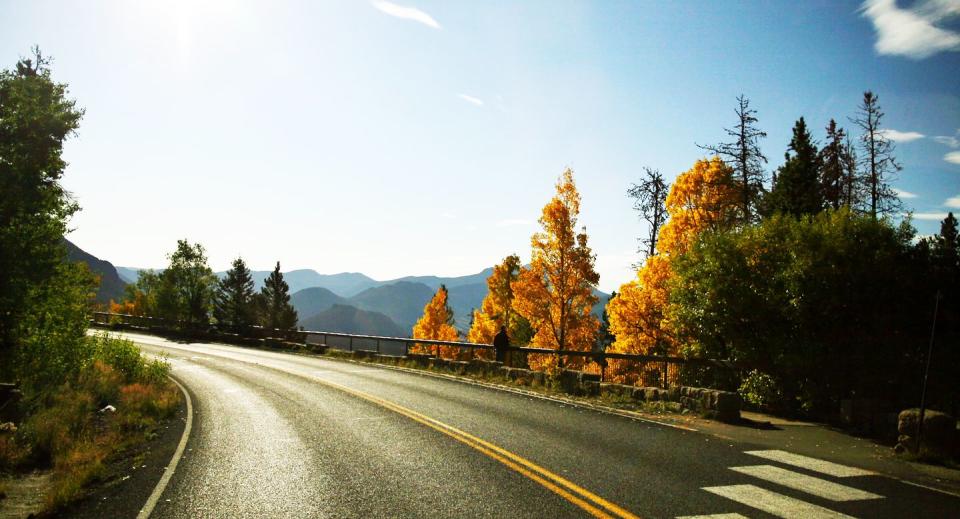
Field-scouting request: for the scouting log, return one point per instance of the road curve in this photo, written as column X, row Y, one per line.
column 279, row 435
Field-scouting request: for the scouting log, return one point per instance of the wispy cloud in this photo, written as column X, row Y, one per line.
column 912, row 32
column 513, row 222
column 953, row 202
column 898, row 136
column 928, row 216
column 949, row 140
column 953, row 157
column 904, row 194
column 470, row 99
column 407, row 13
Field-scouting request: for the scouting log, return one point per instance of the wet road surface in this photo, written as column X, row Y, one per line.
column 279, row 435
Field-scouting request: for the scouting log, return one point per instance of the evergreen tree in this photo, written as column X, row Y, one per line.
column 276, row 312
column 745, row 157
column 796, row 190
column 879, row 164
column 604, row 337
column 834, row 168
column 233, row 303
column 649, row 199
column 36, row 117
column 946, row 256
column 852, row 183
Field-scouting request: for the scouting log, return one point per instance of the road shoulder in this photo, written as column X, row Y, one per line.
column 132, row 477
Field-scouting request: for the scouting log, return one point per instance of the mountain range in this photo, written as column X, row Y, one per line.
column 391, row 307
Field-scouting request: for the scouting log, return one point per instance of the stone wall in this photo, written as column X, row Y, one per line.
column 940, row 436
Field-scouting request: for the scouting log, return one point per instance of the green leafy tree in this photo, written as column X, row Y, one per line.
column 233, row 303
column 828, row 306
column 185, row 291
column 878, row 163
column 53, row 346
column 796, row 188
column 36, row 117
column 276, row 312
column 142, row 295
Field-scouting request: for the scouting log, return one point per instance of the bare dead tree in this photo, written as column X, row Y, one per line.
column 745, row 157
column 649, row 199
column 878, row 163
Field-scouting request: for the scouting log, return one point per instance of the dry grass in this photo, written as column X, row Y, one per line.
column 70, row 432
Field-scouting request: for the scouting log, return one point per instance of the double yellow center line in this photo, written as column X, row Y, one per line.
column 583, row 498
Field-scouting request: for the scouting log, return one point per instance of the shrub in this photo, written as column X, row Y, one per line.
column 760, row 390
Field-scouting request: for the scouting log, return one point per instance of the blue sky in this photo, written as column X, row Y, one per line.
column 424, row 137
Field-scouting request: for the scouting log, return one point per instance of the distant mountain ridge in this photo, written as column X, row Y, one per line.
column 349, row 319
column 400, row 300
column 111, row 284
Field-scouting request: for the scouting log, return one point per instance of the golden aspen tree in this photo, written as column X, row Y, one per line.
column 555, row 294
column 497, row 308
column 703, row 198
column 436, row 324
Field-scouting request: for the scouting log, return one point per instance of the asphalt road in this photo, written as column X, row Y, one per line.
column 278, row 435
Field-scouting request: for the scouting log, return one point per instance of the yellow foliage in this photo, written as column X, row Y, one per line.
column 555, row 293
column 703, row 198
column 497, row 308
column 436, row 324
column 700, row 199
column 123, row 307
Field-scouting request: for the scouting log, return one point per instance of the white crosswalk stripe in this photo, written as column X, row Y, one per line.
column 780, row 505
column 821, row 466
column 804, row 483
column 774, row 503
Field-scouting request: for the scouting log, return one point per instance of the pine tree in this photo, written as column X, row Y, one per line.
column 604, row 337
column 36, row 117
column 649, row 197
column 833, row 168
column 946, row 254
column 233, row 303
column 879, row 165
column 276, row 312
column 796, row 190
column 852, row 183
column 745, row 157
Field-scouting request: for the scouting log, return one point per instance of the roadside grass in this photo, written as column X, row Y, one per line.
column 70, row 429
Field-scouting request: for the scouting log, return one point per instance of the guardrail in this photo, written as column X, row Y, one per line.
column 652, row 370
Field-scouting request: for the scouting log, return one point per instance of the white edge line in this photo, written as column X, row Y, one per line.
column 172, row 466
column 919, row 485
